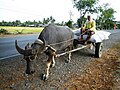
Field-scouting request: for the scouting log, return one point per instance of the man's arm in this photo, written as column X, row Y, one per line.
column 93, row 24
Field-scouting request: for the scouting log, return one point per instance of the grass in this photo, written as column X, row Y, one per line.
column 22, row 30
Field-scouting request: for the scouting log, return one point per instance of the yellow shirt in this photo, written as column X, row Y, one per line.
column 90, row 25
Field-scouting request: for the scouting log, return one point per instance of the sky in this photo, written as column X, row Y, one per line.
column 24, row 10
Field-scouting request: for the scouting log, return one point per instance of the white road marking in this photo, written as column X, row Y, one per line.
column 9, row 56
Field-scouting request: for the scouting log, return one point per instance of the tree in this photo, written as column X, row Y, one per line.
column 69, row 24
column 105, row 20
column 28, row 23
column 44, row 21
column 17, row 22
column 83, row 20
column 35, row 23
column 52, row 20
column 48, row 20
column 4, row 23
column 84, row 6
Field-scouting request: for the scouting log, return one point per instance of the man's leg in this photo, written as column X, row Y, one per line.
column 90, row 33
column 81, row 33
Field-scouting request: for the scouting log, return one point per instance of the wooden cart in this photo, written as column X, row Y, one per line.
column 78, row 45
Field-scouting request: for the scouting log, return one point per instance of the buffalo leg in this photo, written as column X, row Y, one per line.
column 68, row 55
column 53, row 62
column 48, row 64
column 69, row 58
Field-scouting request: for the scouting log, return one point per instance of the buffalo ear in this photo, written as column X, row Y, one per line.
column 27, row 46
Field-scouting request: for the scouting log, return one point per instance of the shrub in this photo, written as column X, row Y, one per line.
column 19, row 32
column 3, row 31
column 69, row 24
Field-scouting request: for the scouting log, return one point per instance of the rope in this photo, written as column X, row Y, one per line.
column 61, row 42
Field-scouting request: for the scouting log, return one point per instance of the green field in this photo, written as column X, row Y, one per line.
column 22, row 30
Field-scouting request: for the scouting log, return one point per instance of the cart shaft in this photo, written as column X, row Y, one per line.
column 58, row 55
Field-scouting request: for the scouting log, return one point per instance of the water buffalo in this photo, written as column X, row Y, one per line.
column 53, row 38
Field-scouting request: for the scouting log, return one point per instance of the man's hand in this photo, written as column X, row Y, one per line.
column 89, row 29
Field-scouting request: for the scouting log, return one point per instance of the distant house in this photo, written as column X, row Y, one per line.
column 42, row 25
column 31, row 25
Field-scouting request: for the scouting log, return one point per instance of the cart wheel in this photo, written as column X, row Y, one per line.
column 75, row 43
column 98, row 49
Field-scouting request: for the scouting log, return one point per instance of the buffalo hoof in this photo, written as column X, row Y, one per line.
column 67, row 61
column 44, row 77
column 52, row 65
column 32, row 72
column 29, row 72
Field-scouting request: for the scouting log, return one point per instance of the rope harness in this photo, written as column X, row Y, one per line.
column 51, row 45
column 60, row 42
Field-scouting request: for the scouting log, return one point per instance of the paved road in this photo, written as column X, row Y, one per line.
column 7, row 46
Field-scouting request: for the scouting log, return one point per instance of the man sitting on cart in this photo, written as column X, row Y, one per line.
column 89, row 29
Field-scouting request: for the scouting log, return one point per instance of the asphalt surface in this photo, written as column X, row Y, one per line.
column 7, row 44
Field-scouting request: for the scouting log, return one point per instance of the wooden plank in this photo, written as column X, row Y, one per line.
column 58, row 55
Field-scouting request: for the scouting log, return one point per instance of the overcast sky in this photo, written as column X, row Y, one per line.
column 11, row 10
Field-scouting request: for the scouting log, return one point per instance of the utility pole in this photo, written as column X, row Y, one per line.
column 71, row 14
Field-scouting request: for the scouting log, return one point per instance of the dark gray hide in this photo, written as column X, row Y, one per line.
column 55, row 34
column 59, row 38
column 50, row 35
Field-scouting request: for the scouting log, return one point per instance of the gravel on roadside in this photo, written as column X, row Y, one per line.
column 83, row 64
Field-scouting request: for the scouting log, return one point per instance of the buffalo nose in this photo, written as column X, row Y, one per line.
column 32, row 72
column 29, row 72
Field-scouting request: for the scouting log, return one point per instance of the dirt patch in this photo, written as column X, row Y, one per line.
column 80, row 74
column 101, row 74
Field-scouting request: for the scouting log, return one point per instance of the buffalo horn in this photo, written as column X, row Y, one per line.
column 42, row 42
column 38, row 41
column 21, row 51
